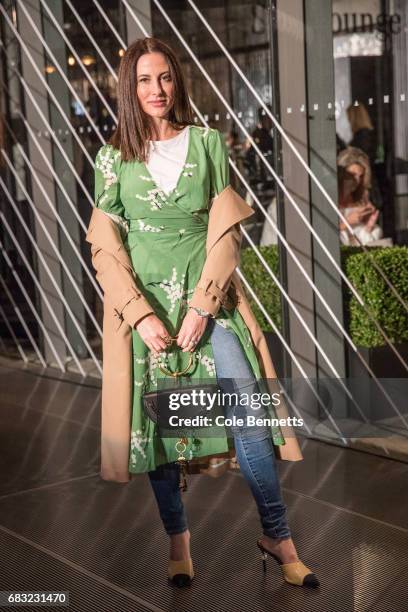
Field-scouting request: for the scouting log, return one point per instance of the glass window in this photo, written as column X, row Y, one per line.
column 370, row 58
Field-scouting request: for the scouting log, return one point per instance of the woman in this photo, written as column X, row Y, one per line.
column 354, row 179
column 170, row 275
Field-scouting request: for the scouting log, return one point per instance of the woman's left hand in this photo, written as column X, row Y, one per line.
column 191, row 330
column 372, row 220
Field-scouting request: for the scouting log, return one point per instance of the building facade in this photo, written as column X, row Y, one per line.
column 291, row 84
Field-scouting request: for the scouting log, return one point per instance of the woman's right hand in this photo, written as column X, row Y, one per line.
column 152, row 331
column 355, row 217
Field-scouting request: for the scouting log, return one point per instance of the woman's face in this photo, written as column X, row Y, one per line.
column 347, row 186
column 154, row 84
column 356, row 171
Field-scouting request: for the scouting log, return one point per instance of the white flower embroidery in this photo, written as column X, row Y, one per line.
column 173, row 288
column 153, row 197
column 186, row 172
column 207, row 362
column 137, row 442
column 104, row 162
column 141, row 359
column 154, row 361
column 144, row 227
column 223, row 322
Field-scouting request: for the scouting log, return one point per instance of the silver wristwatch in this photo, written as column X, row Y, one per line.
column 200, row 311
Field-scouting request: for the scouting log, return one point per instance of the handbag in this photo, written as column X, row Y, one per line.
column 156, row 405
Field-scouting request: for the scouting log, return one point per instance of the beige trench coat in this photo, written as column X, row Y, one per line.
column 124, row 306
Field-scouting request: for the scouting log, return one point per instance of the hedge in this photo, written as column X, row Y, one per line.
column 385, row 306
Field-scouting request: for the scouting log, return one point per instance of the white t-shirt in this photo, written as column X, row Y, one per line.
column 167, row 158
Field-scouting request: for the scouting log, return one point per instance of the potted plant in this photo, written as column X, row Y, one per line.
column 385, row 306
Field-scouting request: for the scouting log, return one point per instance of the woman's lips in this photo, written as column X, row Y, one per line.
column 159, row 103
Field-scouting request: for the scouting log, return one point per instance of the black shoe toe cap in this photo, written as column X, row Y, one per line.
column 181, row 580
column 311, row 580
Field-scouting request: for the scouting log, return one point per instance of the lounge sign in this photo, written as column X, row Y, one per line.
column 356, row 23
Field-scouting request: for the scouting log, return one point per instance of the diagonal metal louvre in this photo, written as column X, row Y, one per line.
column 17, row 15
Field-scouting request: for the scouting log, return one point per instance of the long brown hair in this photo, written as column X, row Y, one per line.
column 347, row 157
column 135, row 127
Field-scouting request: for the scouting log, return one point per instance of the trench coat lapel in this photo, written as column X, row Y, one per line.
column 227, row 209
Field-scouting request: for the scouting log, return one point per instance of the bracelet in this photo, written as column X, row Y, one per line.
column 200, row 311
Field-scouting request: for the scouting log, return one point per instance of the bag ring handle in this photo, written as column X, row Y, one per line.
column 177, row 372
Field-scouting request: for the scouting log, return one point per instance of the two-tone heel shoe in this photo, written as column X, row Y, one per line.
column 181, row 573
column 294, row 573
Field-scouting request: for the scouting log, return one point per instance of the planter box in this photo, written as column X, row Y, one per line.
column 276, row 350
column 388, row 434
column 381, row 359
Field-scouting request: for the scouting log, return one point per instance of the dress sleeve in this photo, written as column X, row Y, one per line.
column 107, row 185
column 117, row 282
column 218, row 163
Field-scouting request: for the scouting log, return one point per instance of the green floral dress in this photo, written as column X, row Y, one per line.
column 165, row 237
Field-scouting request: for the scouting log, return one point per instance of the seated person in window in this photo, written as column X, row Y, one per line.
column 354, row 182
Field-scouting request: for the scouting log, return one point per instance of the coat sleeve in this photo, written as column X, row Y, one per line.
column 211, row 290
column 117, row 282
column 227, row 209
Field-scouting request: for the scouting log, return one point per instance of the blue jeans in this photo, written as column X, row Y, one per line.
column 253, row 445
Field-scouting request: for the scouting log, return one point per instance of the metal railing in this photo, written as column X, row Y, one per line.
column 25, row 49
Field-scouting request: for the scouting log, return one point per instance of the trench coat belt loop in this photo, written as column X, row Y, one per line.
column 206, row 283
